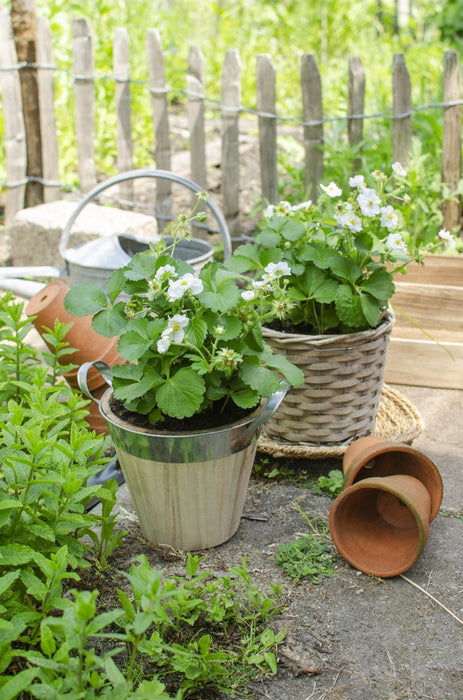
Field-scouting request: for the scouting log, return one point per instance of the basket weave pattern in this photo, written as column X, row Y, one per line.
column 339, row 399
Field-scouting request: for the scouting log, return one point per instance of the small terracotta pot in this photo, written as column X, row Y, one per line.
column 374, row 456
column 48, row 305
column 380, row 525
column 94, row 418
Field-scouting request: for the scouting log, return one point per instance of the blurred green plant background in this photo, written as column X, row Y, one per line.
column 333, row 30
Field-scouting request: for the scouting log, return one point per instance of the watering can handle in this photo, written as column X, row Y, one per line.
column 103, row 368
column 270, row 407
column 149, row 173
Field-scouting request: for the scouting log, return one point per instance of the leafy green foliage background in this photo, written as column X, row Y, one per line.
column 332, row 30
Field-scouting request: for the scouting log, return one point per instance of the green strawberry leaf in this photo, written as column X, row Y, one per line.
column 380, row 285
column 129, row 392
column 182, row 394
column 110, row 322
column 260, row 378
column 371, row 309
column 293, row 374
column 85, row 299
column 348, row 307
column 318, row 285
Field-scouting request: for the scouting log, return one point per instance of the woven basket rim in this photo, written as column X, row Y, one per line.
column 285, row 338
column 398, row 420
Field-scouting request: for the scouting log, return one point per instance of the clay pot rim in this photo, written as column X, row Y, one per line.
column 380, row 484
column 378, row 446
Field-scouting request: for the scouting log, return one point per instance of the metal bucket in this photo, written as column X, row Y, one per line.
column 188, row 489
column 96, row 260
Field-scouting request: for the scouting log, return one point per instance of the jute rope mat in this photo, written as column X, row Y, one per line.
column 397, row 420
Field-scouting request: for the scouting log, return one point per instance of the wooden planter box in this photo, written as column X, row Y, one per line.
column 430, row 297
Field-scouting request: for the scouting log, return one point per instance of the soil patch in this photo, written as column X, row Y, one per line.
column 351, row 637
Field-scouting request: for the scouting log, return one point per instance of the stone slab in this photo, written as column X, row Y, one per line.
column 35, row 234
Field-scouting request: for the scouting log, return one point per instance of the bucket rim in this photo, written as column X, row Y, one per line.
column 108, row 413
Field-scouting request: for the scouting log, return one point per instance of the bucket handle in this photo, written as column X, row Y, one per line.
column 269, row 408
column 148, row 173
column 103, row 368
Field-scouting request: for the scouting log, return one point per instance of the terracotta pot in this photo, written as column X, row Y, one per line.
column 47, row 306
column 375, row 456
column 380, row 525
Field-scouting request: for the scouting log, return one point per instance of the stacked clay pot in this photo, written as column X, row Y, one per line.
column 380, row 521
column 45, row 308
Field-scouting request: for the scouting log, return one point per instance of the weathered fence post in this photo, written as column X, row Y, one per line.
column 195, row 88
column 451, row 143
column 51, row 188
column 84, row 102
column 123, row 108
column 231, row 103
column 355, row 108
column 24, row 22
column 401, row 110
column 312, row 108
column 162, row 151
column 266, row 106
column 15, row 137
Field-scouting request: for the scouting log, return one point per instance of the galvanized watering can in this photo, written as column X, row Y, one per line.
column 96, row 260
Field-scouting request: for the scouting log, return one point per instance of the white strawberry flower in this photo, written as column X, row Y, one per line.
column 332, row 190
column 188, row 282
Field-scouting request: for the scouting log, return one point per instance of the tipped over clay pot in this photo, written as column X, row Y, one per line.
column 380, row 525
column 374, row 456
column 47, row 306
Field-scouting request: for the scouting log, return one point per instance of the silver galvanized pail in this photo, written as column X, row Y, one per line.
column 188, row 489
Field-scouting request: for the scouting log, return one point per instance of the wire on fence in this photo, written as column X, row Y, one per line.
column 215, row 103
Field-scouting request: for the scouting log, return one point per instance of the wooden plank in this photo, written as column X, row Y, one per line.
column 432, row 307
column 401, row 105
column 51, row 190
column 162, row 151
column 84, row 102
column 356, row 106
column 424, row 363
column 312, row 109
column 231, row 104
column 24, row 23
column 196, row 91
column 121, row 58
column 15, row 135
column 437, row 269
column 266, row 104
column 198, row 167
column 451, row 142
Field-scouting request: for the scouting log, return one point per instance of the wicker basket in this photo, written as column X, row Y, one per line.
column 339, row 400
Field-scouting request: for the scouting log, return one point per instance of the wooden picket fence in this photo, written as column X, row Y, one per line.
column 311, row 124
